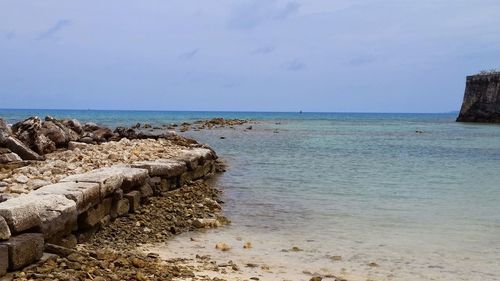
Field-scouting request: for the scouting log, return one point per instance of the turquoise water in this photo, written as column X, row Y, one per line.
column 365, row 186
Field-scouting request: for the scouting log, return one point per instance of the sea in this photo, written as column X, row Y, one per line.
column 362, row 196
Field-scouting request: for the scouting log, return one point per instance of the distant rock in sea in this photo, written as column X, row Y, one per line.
column 481, row 99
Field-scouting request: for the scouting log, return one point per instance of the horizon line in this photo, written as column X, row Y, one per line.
column 233, row 111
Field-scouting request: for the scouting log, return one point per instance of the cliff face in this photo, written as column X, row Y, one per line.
column 481, row 99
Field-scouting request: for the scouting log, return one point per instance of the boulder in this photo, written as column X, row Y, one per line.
column 19, row 148
column 9, row 157
column 74, row 125
column 90, row 127
column 24, row 250
column 55, row 133
column 29, row 133
column 103, row 134
column 84, row 194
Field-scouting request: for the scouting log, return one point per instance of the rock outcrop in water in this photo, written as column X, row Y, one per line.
column 481, row 99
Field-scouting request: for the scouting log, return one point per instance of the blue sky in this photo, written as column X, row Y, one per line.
column 260, row 55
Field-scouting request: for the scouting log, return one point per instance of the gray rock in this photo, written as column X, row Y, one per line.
column 146, row 191
column 162, row 168
column 132, row 177
column 24, row 250
column 19, row 148
column 9, row 157
column 74, row 125
column 109, row 179
column 72, row 145
column 134, row 199
column 94, row 215
column 51, row 213
column 84, row 194
column 120, row 208
column 481, row 99
column 4, row 259
column 5, row 127
column 4, row 229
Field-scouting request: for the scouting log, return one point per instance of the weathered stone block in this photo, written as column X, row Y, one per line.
column 109, row 179
column 120, row 208
column 50, row 213
column 162, row 167
column 134, row 199
column 132, row 177
column 24, row 249
column 4, row 259
column 4, row 229
column 95, row 214
column 195, row 156
column 186, row 178
column 68, row 241
column 146, row 191
column 84, row 194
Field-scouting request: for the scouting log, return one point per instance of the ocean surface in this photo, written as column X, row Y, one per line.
column 396, row 196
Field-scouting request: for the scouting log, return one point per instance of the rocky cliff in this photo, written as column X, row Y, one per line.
column 481, row 99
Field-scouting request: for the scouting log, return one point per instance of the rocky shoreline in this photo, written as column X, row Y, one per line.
column 76, row 201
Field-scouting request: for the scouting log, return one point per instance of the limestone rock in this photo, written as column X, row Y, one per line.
column 51, row 213
column 72, row 145
column 9, row 157
column 19, row 148
column 134, row 198
column 4, row 259
column 4, row 229
column 132, row 177
column 74, row 125
column 84, row 194
column 94, row 215
column 162, row 168
column 481, row 99
column 109, row 179
column 5, row 127
column 24, row 250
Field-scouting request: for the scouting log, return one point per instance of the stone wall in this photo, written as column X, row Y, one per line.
column 481, row 99
column 71, row 211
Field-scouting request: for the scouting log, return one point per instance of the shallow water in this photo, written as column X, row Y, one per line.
column 367, row 187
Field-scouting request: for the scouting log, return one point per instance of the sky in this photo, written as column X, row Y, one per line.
column 245, row 55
